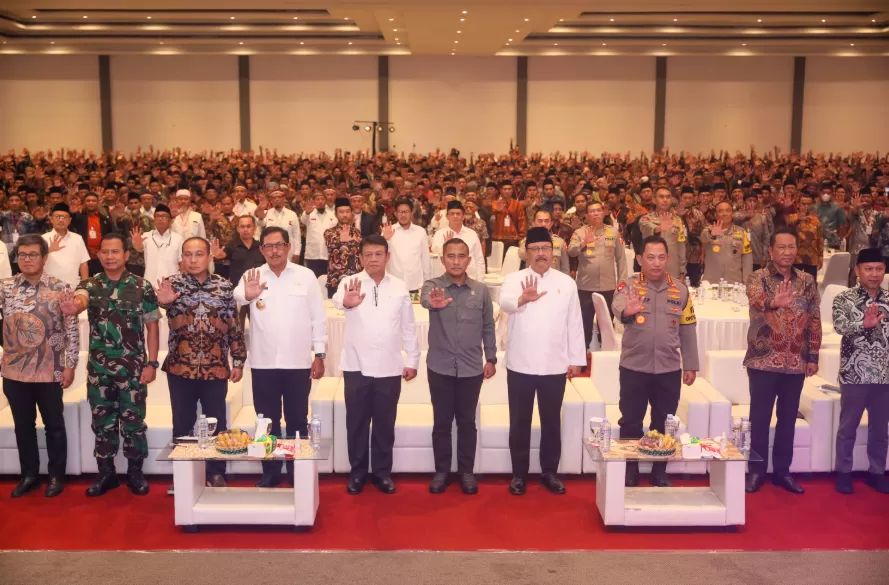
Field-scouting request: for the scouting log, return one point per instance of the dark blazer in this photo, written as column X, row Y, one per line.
column 368, row 225
column 80, row 225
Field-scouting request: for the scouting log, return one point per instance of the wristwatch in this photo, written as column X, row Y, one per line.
column 321, row 355
column 155, row 364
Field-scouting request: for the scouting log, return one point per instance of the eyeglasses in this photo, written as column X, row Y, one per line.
column 275, row 246
column 29, row 255
column 539, row 249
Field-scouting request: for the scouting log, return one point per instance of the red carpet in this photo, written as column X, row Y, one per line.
column 415, row 520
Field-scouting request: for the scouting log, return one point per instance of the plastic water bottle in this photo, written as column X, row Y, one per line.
column 671, row 427
column 315, row 432
column 722, row 289
column 736, row 432
column 605, row 440
column 203, row 432
column 745, row 435
column 258, row 427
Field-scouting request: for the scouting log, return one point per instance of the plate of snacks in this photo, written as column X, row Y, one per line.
column 655, row 444
column 233, row 442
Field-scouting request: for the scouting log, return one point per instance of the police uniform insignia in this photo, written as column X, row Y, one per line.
column 472, row 292
column 672, row 321
column 640, row 319
column 260, row 304
column 621, row 286
column 589, row 252
column 673, row 296
column 716, row 249
column 674, row 309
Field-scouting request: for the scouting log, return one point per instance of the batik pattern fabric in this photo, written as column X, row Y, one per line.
column 204, row 329
column 38, row 340
column 695, row 223
column 810, row 249
column 343, row 258
column 864, row 353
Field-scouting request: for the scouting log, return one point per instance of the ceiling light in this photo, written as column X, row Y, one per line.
column 675, row 20
column 231, row 17
column 758, row 20
column 663, row 44
column 242, row 42
column 301, row 43
column 395, row 43
column 465, row 12
column 743, row 44
column 455, row 42
column 611, row 20
column 162, row 42
column 295, row 18
column 873, row 20
column 391, row 19
column 33, row 17
column 346, row 18
column 851, row 44
column 507, row 44
column 85, row 16
column 462, row 20
column 396, row 38
column 823, row 20
column 555, row 44
column 603, row 44
column 510, row 40
column 459, row 31
column 394, row 30
column 526, row 20
column 517, row 30
column 148, row 17
column 561, row 20
column 52, row 42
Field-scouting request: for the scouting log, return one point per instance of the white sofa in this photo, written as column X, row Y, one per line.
column 412, row 451
column 493, row 440
column 241, row 414
column 603, row 387
column 811, row 444
column 71, row 398
column 830, row 370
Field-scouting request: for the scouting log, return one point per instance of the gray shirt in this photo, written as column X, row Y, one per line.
column 458, row 332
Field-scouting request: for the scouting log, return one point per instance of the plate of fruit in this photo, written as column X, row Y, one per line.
column 233, row 442
column 655, row 444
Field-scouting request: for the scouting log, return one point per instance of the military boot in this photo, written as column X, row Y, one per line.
column 137, row 482
column 105, row 480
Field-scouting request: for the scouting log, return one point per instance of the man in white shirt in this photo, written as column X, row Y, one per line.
column 5, row 266
column 280, row 216
column 162, row 247
column 379, row 323
column 188, row 223
column 545, row 344
column 456, row 229
column 68, row 257
column 147, row 204
column 287, row 322
column 243, row 206
column 408, row 248
column 364, row 222
column 317, row 222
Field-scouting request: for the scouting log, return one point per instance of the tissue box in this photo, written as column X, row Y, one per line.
column 256, row 450
column 691, row 447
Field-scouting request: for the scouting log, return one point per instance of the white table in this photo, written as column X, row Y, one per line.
column 195, row 504
column 720, row 504
column 722, row 325
column 336, row 331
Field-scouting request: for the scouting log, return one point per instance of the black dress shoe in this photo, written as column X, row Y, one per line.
column 468, row 484
column 552, row 482
column 631, row 476
column 878, row 481
column 355, row 486
column 384, row 484
column 844, row 483
column 517, row 486
column 659, row 478
column 754, row 482
column 439, row 483
column 105, row 481
column 54, row 487
column 788, row 483
column 216, row 480
column 135, row 479
column 269, row 480
column 25, row 485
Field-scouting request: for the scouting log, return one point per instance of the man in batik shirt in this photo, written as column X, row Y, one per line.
column 343, row 243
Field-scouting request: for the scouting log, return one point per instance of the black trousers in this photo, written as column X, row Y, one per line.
column 694, row 272
column 271, row 388
column 808, row 269
column 588, row 311
column 767, row 388
column 370, row 399
column 637, row 391
column 550, row 391
column 24, row 400
column 319, row 267
column 185, row 394
column 454, row 398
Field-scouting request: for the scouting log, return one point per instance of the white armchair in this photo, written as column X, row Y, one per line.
column 693, row 409
column 412, row 451
column 71, row 399
column 241, row 414
column 811, row 449
column 493, row 437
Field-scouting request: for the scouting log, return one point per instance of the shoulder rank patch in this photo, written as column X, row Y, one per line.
column 688, row 315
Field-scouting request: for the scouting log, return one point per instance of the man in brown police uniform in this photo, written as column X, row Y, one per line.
column 659, row 322
column 662, row 222
column 727, row 251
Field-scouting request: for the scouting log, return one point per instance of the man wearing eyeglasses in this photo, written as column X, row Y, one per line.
column 68, row 257
column 161, row 247
column 408, row 248
column 287, row 322
column 379, row 323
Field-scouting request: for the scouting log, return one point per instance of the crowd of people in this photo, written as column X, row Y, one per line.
column 215, row 238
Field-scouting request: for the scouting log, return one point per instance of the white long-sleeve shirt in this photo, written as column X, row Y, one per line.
column 476, row 269
column 163, row 253
column 5, row 266
column 246, row 207
column 65, row 264
column 189, row 225
column 316, row 224
column 546, row 336
column 409, row 256
column 288, row 220
column 378, row 328
column 291, row 324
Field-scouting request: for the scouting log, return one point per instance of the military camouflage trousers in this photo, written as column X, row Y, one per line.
column 118, row 406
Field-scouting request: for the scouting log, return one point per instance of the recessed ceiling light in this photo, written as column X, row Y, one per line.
column 162, row 42
column 851, row 44
column 148, row 17
column 758, row 20
column 231, row 17
column 52, row 42
column 240, row 42
column 395, row 43
column 517, row 30
column 295, row 18
column 465, row 12
column 561, row 20
column 85, row 16
column 507, row 44
column 33, row 17
column 743, row 44
column 456, row 42
column 394, row 30
column 611, row 20
column 603, row 44
column 555, row 44
column 510, row 40
column 526, row 20
column 396, row 38
column 346, row 18
column 301, row 43
column 675, row 20
column 391, row 19
column 663, row 44
column 350, row 42
column 823, row 20
column 459, row 31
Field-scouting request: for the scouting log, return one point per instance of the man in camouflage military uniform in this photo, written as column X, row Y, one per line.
column 727, row 252
column 119, row 305
column 659, row 351
column 133, row 224
column 544, row 218
column 665, row 224
column 600, row 253
column 810, row 250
